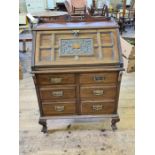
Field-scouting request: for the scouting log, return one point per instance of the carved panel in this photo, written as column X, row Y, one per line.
column 73, row 47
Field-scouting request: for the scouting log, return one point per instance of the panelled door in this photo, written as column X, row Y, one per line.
column 35, row 5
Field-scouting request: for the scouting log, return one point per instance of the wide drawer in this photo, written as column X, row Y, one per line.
column 58, row 108
column 95, row 78
column 98, row 92
column 44, row 79
column 97, row 107
column 58, row 92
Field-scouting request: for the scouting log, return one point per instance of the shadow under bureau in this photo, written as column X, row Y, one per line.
column 77, row 69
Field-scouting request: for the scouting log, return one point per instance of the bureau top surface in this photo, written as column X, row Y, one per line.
column 75, row 25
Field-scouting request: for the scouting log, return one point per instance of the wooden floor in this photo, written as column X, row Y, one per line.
column 83, row 137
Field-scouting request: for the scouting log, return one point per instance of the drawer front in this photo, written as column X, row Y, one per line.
column 94, row 78
column 98, row 92
column 99, row 107
column 55, row 79
column 59, row 108
column 61, row 92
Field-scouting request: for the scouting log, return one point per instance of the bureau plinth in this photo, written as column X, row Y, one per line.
column 77, row 69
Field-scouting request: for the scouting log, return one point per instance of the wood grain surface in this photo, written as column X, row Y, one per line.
column 59, row 108
column 46, row 79
column 59, row 92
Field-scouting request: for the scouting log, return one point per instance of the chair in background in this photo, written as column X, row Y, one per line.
column 126, row 16
column 76, row 7
column 99, row 8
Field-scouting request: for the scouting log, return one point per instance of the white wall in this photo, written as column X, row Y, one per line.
column 50, row 4
column 22, row 6
column 36, row 5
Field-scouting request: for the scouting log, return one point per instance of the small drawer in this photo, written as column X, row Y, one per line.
column 58, row 108
column 55, row 79
column 99, row 107
column 98, row 92
column 94, row 78
column 58, row 92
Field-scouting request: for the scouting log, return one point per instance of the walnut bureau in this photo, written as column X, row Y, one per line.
column 77, row 69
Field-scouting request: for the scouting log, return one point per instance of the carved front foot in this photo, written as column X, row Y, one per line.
column 43, row 123
column 113, row 123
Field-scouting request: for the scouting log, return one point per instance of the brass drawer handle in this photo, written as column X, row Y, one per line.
column 98, row 92
column 55, row 80
column 59, row 108
column 97, row 107
column 57, row 93
column 99, row 78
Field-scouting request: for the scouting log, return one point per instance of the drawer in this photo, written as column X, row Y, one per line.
column 58, row 108
column 98, row 92
column 53, row 79
column 99, row 107
column 95, row 78
column 58, row 92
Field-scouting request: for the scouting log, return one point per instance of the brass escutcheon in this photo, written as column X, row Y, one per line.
column 76, row 32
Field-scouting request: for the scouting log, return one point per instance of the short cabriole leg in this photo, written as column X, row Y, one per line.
column 43, row 123
column 113, row 123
